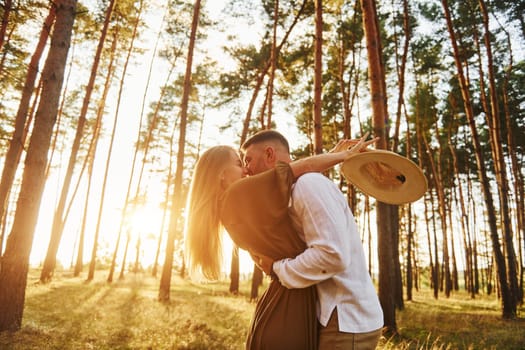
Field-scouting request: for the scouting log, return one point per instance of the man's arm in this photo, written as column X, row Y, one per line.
column 321, row 162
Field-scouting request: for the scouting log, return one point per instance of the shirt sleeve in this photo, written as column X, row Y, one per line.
column 318, row 207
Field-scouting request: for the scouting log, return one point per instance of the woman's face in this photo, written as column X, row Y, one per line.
column 233, row 171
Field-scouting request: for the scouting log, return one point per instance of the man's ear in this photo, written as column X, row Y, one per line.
column 269, row 154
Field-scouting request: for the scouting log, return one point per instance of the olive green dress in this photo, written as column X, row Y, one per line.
column 254, row 211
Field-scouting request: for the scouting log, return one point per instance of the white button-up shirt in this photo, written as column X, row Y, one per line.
column 334, row 259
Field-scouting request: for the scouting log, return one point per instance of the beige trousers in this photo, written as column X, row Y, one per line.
column 330, row 338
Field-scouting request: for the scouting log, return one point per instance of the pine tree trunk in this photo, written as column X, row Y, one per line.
column 165, row 281
column 7, row 7
column 465, row 228
column 436, row 171
column 410, row 232
column 18, row 138
column 385, row 215
column 15, row 265
column 500, row 164
column 519, row 187
column 257, row 279
column 58, row 219
column 318, row 78
column 401, row 73
column 92, row 264
column 509, row 303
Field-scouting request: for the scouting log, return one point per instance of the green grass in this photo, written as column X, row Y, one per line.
column 71, row 314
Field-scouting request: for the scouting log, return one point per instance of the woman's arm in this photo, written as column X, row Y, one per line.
column 322, row 162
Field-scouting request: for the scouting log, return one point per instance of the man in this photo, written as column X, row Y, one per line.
column 348, row 308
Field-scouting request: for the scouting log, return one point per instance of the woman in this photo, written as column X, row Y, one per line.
column 254, row 212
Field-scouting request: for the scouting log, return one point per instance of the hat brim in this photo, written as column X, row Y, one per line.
column 385, row 176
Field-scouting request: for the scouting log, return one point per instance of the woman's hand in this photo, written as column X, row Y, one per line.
column 354, row 145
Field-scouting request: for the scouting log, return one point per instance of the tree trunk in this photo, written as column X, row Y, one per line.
column 385, row 212
column 165, row 210
column 273, row 62
column 92, row 264
column 401, row 73
column 465, row 227
column 58, row 219
column 15, row 265
column 262, row 74
column 18, row 138
column 165, row 281
column 131, row 177
column 435, row 165
column 257, row 279
column 519, row 188
column 410, row 232
column 5, row 21
column 500, row 164
column 509, row 304
column 318, row 78
column 124, row 258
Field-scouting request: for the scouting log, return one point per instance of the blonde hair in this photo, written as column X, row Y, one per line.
column 203, row 229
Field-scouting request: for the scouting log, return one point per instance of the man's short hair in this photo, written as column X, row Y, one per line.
column 266, row 135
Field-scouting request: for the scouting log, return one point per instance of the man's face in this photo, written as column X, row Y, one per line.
column 257, row 158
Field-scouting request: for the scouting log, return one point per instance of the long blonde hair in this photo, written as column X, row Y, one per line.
column 203, row 229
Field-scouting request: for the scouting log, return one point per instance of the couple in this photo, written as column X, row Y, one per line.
column 299, row 230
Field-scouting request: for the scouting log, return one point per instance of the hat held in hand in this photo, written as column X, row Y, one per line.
column 386, row 176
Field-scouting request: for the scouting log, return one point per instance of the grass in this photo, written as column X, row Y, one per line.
column 71, row 314
column 457, row 322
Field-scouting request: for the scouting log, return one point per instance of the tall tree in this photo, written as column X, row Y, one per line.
column 58, row 219
column 496, row 137
column 136, row 22
column 18, row 138
column 89, row 161
column 318, row 78
column 385, row 218
column 15, row 265
column 509, row 304
column 7, row 7
column 165, row 281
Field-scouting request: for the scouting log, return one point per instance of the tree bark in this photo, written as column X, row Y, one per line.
column 165, row 281
column 318, row 78
column 15, row 265
column 385, row 212
column 58, row 219
column 509, row 306
column 5, row 21
column 499, row 163
column 92, row 264
column 18, row 138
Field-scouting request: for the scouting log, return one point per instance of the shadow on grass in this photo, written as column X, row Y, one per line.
column 456, row 323
column 72, row 314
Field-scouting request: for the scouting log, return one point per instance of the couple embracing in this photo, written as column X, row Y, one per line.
column 299, row 229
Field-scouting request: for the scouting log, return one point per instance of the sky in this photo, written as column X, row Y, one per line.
column 147, row 222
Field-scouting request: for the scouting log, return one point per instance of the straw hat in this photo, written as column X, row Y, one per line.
column 386, row 176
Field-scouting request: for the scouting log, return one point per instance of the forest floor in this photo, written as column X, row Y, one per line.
column 69, row 313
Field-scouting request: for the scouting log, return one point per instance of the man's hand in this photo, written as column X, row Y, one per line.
column 263, row 262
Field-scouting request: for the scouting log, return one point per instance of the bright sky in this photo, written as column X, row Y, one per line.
column 147, row 222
